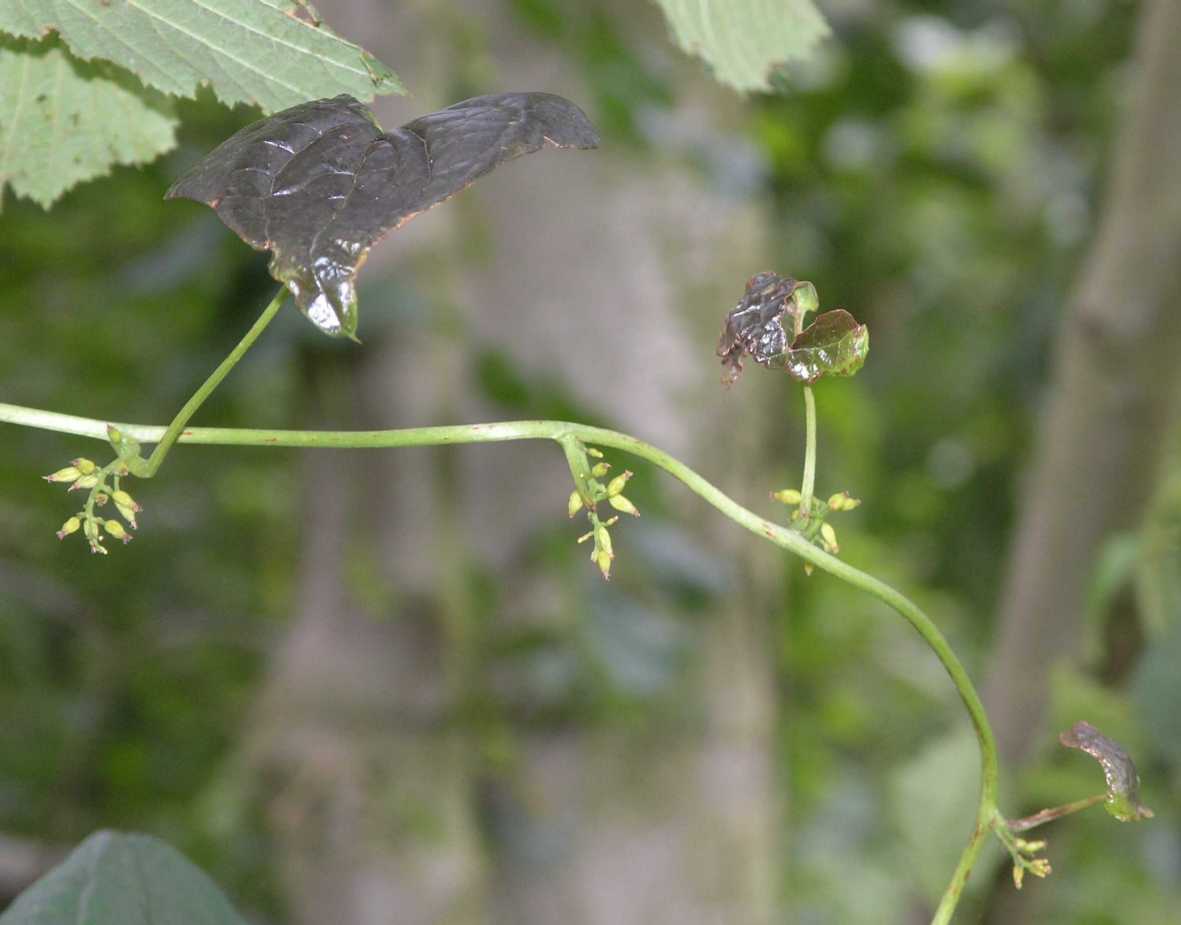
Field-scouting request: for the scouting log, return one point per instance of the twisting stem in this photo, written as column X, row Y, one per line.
column 569, row 436
column 152, row 465
column 809, row 483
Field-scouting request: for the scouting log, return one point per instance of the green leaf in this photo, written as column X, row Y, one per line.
column 266, row 52
column 118, row 879
column 1123, row 782
column 744, row 41
column 63, row 120
column 833, row 345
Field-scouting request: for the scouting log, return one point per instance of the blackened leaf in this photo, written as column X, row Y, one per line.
column 761, row 324
column 320, row 183
column 833, row 345
column 1123, row 782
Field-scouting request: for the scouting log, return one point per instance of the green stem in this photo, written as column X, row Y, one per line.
column 809, row 482
column 572, row 438
column 1057, row 812
column 152, row 465
column 575, row 452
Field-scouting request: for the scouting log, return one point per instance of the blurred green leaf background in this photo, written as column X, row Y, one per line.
column 406, row 654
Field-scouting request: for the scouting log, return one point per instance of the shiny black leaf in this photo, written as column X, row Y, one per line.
column 318, row 184
column 761, row 324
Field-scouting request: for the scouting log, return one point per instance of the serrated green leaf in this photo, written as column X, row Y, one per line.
column 266, row 52
column 744, row 41
column 833, row 345
column 118, row 879
column 63, row 120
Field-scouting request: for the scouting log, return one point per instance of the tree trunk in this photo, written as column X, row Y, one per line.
column 609, row 274
column 368, row 779
column 1116, row 372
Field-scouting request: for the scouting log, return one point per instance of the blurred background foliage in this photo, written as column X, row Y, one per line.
column 936, row 168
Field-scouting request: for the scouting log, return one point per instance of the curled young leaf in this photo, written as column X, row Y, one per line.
column 318, row 184
column 763, row 324
column 1123, row 782
column 833, row 345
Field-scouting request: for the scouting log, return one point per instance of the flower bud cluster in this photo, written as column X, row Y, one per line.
column 1023, row 854
column 588, row 496
column 102, row 486
column 812, row 523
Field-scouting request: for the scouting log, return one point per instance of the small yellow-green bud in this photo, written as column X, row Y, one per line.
column 586, row 536
column 603, row 540
column 121, row 497
column 842, row 502
column 101, row 498
column 787, row 496
column 85, row 466
column 68, row 474
column 574, row 504
column 591, row 451
column 1030, row 847
column 809, row 568
column 805, row 297
column 1040, row 868
column 616, row 485
column 603, row 561
column 828, row 538
column 128, row 514
column 600, row 469
column 85, row 482
column 620, row 503
column 70, row 526
column 1018, row 875
column 90, row 528
column 115, row 529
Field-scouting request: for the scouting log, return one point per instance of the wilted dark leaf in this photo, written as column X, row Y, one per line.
column 1123, row 782
column 833, row 345
column 320, row 183
column 763, row 324
column 118, row 879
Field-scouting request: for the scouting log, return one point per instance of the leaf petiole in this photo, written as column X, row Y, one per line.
column 146, row 468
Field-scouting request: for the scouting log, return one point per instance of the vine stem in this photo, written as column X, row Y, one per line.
column 565, row 434
column 1056, row 812
column 809, row 483
column 152, row 464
